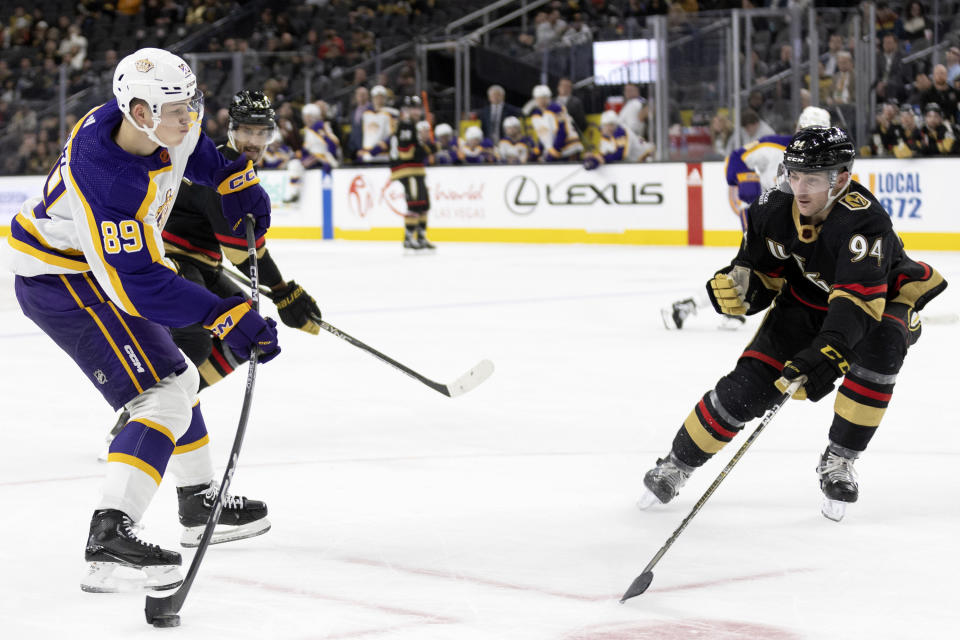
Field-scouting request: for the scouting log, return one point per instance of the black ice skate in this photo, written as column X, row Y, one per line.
column 240, row 518
column 838, row 481
column 411, row 244
column 113, row 544
column 425, row 245
column 664, row 481
column 676, row 314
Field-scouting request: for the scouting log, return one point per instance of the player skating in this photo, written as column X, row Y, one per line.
column 410, row 148
column 91, row 273
column 822, row 251
column 750, row 170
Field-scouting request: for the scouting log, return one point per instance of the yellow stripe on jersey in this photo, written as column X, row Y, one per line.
column 156, row 427
column 873, row 308
column 106, row 334
column 193, row 446
column 761, row 145
column 136, row 462
column 26, row 222
column 48, row 258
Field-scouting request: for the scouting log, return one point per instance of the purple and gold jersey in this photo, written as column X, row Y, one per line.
column 556, row 132
column 102, row 211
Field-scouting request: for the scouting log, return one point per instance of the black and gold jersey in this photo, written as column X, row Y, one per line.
column 409, row 154
column 849, row 266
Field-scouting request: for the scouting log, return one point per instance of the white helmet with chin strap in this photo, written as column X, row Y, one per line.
column 156, row 77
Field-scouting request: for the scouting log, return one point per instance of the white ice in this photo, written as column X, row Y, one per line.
column 507, row 513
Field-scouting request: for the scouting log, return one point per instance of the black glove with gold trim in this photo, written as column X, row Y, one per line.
column 819, row 365
column 296, row 308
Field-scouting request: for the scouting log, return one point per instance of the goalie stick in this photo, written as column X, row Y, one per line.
column 162, row 612
column 467, row 382
column 641, row 582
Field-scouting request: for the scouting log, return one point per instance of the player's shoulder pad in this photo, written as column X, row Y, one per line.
column 860, row 209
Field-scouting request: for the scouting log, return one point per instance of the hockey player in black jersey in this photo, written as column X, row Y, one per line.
column 196, row 238
column 821, row 253
column 409, row 152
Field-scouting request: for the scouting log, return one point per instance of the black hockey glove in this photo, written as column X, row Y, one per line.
column 820, row 365
column 296, row 308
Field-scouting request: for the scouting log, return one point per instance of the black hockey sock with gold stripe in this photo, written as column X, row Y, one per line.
column 707, row 429
column 859, row 407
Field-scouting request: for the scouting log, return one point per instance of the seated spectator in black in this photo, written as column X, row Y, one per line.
column 921, row 84
column 891, row 72
column 908, row 144
column 942, row 94
column 496, row 111
column 577, row 32
column 915, row 27
column 937, row 136
column 953, row 65
column 829, row 59
column 573, row 104
column 887, row 131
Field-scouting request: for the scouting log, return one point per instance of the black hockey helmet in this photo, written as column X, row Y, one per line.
column 819, row 149
column 251, row 107
column 412, row 102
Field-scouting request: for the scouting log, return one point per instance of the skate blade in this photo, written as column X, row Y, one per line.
column 666, row 315
column 112, row 577
column 833, row 509
column 224, row 533
column 647, row 500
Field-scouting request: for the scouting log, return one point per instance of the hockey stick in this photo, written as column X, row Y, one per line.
column 579, row 168
column 465, row 383
column 469, row 381
column 162, row 612
column 643, row 581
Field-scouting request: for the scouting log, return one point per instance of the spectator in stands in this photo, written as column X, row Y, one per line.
column 936, row 136
column 888, row 21
column 759, row 69
column 915, row 28
column 496, row 112
column 843, row 89
column 361, row 104
column 891, row 73
column 572, row 103
column 550, row 30
column 753, row 127
column 577, row 32
column 829, row 59
column 635, row 113
column 514, row 147
column 75, row 45
column 887, row 131
column 721, row 135
column 910, row 136
column 953, row 65
column 942, row 94
column 476, row 149
column 921, row 84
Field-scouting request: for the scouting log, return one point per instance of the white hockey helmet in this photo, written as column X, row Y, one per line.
column 813, row 117
column 310, row 110
column 473, row 133
column 379, row 90
column 511, row 122
column 157, row 77
column 443, row 129
column 609, row 117
column 542, row 91
column 422, row 126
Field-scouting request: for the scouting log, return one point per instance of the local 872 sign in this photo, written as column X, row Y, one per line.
column 552, row 196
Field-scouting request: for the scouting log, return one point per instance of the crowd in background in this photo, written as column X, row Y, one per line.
column 325, row 41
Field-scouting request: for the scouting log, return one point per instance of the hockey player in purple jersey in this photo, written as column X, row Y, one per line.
column 554, row 127
column 447, row 152
column 514, row 147
column 476, row 149
column 91, row 273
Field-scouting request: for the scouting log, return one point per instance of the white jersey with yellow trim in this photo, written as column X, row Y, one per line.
column 378, row 127
column 764, row 157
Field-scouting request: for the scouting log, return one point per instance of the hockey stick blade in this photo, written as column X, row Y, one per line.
column 471, row 379
column 639, row 585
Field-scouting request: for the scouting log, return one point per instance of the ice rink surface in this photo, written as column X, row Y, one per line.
column 507, row 513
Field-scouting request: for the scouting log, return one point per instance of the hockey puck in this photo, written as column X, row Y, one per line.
column 166, row 620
